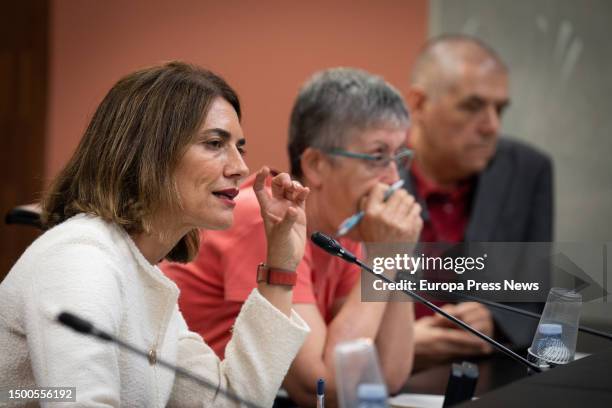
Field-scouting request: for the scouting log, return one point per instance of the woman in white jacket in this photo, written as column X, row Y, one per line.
column 161, row 158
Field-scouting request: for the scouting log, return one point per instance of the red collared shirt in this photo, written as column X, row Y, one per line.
column 448, row 208
column 449, row 213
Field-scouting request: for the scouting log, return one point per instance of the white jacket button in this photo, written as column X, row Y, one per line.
column 152, row 356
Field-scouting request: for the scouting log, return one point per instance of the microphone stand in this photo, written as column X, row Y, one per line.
column 333, row 247
column 520, row 311
column 85, row 327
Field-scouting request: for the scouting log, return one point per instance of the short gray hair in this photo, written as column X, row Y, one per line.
column 335, row 102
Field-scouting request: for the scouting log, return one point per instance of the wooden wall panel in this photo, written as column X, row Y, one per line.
column 23, row 95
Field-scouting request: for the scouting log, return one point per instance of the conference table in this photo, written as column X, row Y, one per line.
column 495, row 371
column 505, row 383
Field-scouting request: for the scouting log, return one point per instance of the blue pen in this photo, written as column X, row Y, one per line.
column 321, row 393
column 354, row 219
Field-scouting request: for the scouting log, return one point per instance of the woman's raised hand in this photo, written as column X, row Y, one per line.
column 284, row 218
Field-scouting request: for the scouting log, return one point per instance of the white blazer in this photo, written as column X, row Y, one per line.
column 93, row 269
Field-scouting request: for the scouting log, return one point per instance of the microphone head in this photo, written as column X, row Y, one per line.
column 331, row 246
column 75, row 323
column 326, row 243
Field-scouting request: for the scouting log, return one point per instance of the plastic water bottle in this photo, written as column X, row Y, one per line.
column 359, row 380
column 549, row 348
column 372, row 395
column 554, row 343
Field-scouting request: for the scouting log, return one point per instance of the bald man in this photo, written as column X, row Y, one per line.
column 473, row 184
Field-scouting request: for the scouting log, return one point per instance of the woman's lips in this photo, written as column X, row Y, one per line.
column 227, row 196
column 227, row 201
column 231, row 193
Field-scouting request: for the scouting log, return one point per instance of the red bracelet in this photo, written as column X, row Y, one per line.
column 275, row 276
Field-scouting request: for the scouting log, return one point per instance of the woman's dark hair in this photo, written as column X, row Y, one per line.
column 122, row 170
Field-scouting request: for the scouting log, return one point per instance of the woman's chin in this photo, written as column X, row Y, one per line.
column 218, row 224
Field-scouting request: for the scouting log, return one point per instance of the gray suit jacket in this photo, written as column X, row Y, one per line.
column 512, row 202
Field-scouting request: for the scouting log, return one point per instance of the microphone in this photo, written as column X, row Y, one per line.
column 81, row 325
column 86, row 327
column 333, row 247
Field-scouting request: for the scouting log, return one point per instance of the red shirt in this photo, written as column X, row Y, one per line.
column 449, row 214
column 215, row 285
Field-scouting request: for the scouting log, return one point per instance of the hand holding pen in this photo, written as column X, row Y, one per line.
column 354, row 219
column 388, row 214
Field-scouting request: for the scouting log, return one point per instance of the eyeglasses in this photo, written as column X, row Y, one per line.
column 402, row 158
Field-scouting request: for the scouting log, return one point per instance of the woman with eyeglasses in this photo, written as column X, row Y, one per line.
column 161, row 159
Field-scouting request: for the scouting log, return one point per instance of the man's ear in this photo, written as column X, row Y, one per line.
column 314, row 166
column 416, row 98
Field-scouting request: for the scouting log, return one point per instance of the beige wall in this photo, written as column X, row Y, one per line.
column 560, row 63
column 265, row 49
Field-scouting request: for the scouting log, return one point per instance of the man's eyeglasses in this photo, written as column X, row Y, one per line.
column 402, row 158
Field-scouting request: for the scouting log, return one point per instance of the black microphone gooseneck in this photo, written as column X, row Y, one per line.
column 523, row 312
column 86, row 327
column 333, row 247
